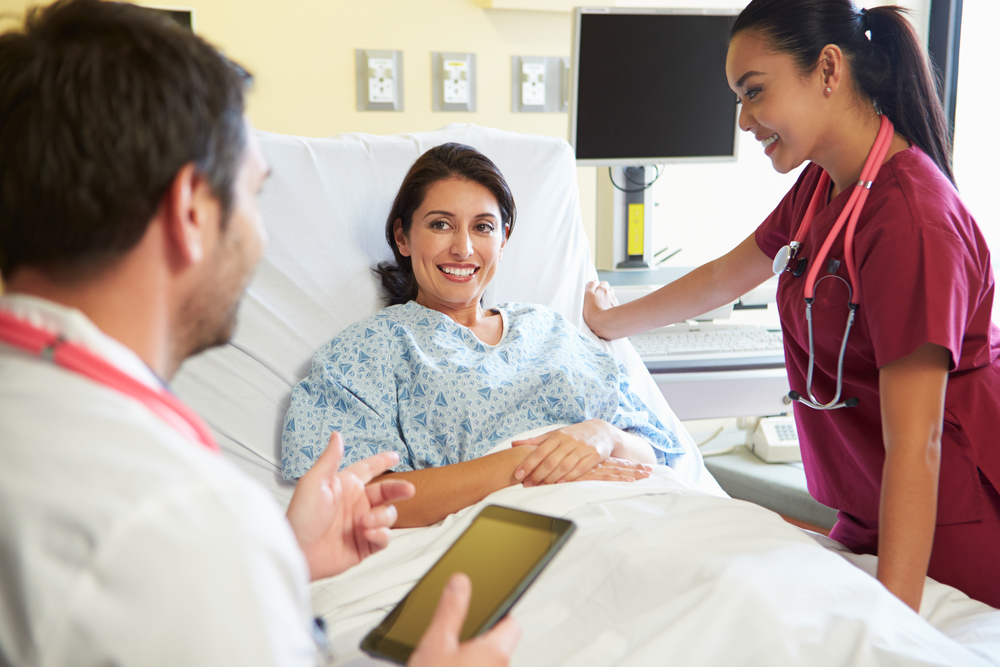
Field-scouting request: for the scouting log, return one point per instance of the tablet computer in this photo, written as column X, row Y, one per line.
column 502, row 551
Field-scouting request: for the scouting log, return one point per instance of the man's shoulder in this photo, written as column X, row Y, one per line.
column 95, row 488
column 73, row 443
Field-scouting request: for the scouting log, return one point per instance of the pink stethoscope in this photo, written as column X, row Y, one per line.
column 25, row 336
column 788, row 253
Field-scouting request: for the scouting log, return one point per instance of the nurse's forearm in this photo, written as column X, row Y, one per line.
column 447, row 489
column 912, row 393
column 906, row 521
column 708, row 287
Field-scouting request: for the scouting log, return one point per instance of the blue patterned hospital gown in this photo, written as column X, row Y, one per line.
column 411, row 380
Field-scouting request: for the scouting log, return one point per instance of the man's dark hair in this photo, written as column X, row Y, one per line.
column 101, row 104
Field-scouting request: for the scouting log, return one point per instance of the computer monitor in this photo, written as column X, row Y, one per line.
column 648, row 86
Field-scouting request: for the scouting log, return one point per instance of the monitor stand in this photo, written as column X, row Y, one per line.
column 624, row 219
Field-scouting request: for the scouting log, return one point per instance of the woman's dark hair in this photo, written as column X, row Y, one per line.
column 439, row 163
column 890, row 68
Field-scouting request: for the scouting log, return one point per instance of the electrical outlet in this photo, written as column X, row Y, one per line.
column 456, row 82
column 538, row 84
column 381, row 84
column 379, row 80
column 453, row 81
column 533, row 84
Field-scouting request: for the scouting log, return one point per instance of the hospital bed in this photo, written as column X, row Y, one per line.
column 664, row 571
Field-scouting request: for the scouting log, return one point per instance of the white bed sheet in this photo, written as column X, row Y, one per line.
column 660, row 573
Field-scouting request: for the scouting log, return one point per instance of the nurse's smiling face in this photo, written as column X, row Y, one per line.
column 780, row 105
column 454, row 243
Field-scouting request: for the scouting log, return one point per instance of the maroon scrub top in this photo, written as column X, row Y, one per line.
column 925, row 273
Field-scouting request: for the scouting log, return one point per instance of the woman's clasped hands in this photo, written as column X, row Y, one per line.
column 584, row 451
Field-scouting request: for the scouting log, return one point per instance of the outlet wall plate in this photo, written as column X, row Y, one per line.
column 453, row 81
column 539, row 84
column 379, row 79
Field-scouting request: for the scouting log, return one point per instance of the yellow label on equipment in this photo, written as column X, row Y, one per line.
column 636, row 214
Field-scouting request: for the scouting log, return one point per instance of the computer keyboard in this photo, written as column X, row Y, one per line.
column 709, row 347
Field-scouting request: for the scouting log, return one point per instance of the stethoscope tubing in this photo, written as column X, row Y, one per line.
column 23, row 335
column 813, row 402
column 850, row 216
column 852, row 210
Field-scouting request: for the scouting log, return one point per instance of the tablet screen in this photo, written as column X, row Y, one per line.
column 501, row 551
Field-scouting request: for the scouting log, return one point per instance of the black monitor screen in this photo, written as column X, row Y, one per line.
column 651, row 87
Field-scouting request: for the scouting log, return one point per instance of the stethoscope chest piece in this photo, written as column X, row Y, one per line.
column 785, row 255
column 781, row 260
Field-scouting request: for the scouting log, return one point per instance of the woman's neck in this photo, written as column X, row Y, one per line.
column 847, row 149
column 487, row 326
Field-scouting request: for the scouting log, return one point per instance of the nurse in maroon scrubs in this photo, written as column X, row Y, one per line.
column 904, row 441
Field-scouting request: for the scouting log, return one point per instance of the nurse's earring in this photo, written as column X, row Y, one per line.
column 829, row 90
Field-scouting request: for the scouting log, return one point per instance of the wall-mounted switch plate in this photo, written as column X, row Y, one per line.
column 380, row 80
column 454, row 81
column 537, row 84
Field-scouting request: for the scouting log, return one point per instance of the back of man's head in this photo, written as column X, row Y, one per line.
column 101, row 104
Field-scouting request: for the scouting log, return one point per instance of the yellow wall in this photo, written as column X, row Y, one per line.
column 302, row 55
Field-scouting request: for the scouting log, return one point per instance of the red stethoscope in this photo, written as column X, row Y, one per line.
column 47, row 345
column 788, row 253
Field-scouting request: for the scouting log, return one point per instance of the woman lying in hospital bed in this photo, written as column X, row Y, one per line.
column 441, row 381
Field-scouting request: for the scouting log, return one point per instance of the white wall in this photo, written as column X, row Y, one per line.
column 977, row 144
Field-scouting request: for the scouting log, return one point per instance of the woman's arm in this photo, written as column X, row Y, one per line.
column 709, row 286
column 447, row 489
column 444, row 490
column 912, row 392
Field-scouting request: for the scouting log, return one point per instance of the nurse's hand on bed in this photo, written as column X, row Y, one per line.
column 337, row 517
column 597, row 298
column 439, row 646
column 584, row 451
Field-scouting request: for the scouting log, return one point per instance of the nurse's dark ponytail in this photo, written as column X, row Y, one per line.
column 891, row 68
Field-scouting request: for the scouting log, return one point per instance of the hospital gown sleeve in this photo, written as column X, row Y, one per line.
column 350, row 389
column 633, row 416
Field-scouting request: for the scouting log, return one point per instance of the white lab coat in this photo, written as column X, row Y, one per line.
column 121, row 542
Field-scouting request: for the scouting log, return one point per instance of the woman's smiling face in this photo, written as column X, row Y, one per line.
column 454, row 243
column 781, row 107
